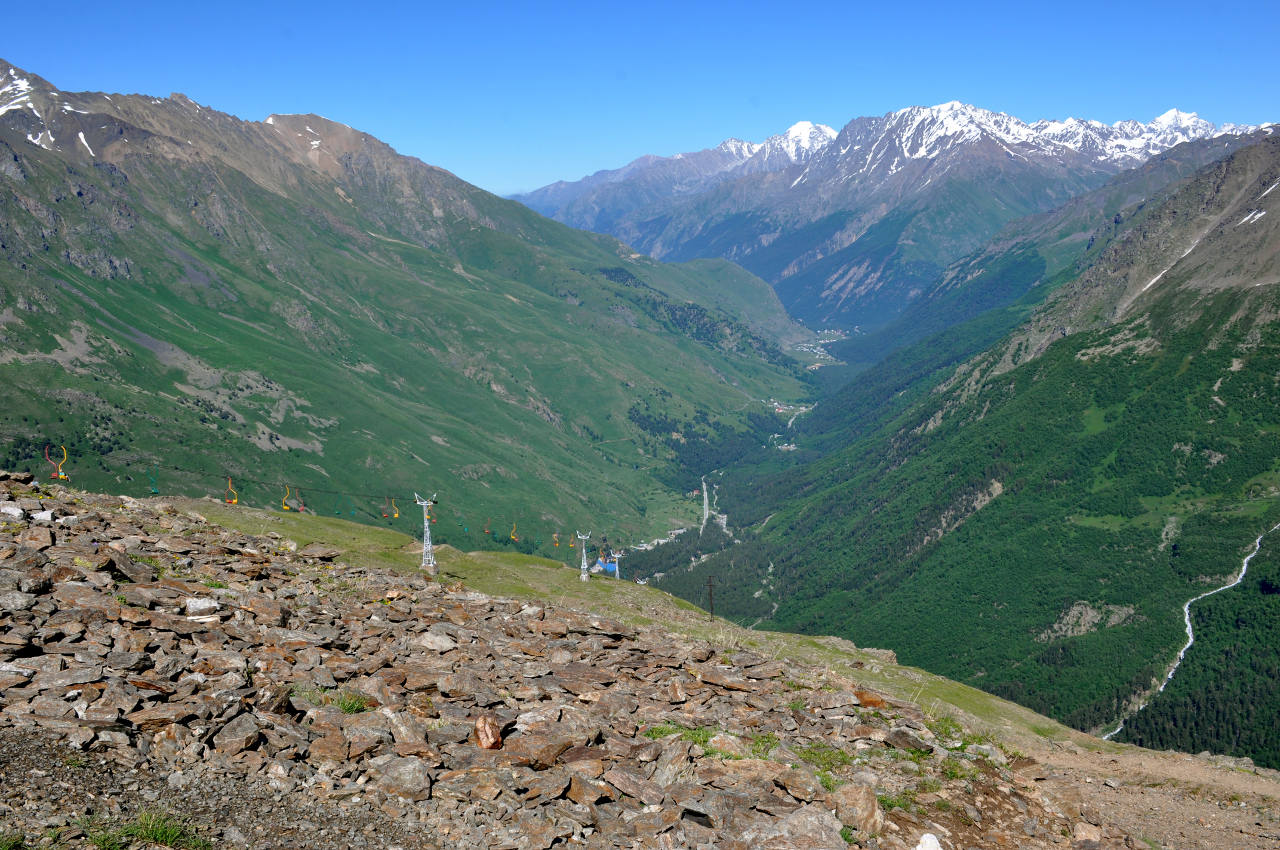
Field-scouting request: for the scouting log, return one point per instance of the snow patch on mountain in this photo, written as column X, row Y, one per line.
column 16, row 93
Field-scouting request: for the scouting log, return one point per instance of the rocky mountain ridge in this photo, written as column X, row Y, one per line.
column 870, row 220
column 376, row 708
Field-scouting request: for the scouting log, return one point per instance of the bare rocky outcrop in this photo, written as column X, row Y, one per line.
column 151, row 659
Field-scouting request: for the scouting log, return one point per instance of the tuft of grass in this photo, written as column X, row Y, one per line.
column 166, row 830
column 697, row 736
column 824, row 756
column 13, row 842
column 846, row 832
column 828, row 781
column 796, row 705
column 662, row 730
column 100, row 836
column 954, row 768
column 947, row 729
column 350, row 702
column 904, row 799
column 214, row 583
column 762, row 745
column 928, row 784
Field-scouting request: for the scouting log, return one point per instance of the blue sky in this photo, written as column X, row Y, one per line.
column 511, row 96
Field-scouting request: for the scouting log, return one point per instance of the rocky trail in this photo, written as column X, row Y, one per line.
column 269, row 695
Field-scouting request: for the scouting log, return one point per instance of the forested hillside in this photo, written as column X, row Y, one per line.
column 1033, row 525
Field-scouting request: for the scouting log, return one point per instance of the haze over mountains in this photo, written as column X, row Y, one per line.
column 850, row 231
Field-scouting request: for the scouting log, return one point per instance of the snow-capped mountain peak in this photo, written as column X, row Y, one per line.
column 806, row 135
column 738, row 148
column 927, row 132
column 798, row 144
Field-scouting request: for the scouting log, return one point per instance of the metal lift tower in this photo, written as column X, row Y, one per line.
column 428, row 556
column 583, row 538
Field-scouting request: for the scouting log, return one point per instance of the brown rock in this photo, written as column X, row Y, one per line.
column 36, row 537
column 801, row 784
column 405, row 777
column 541, row 750
column 240, row 734
column 856, row 806
column 330, row 748
column 635, row 786
column 488, row 732
column 319, row 551
column 157, row 717
column 584, row 790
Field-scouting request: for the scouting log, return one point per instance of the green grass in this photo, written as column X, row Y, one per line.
column 350, row 702
column 699, row 736
column 346, row 701
column 946, row 728
column 12, row 842
column 904, row 799
column 824, row 756
column 102, row 836
column 162, row 828
column 762, row 745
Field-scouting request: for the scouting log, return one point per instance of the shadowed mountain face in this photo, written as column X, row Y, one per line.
column 862, row 225
column 1032, row 520
column 185, row 296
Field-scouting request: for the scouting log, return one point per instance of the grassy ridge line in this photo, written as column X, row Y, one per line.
column 551, row 582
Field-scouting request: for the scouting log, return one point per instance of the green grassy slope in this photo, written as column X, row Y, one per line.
column 359, row 332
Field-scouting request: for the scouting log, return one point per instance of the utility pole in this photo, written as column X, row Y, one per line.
column 428, row 556
column 711, row 598
column 582, row 541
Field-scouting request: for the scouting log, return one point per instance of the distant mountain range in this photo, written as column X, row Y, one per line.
column 851, row 227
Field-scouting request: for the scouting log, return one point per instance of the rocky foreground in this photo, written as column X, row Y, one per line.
column 266, row 695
